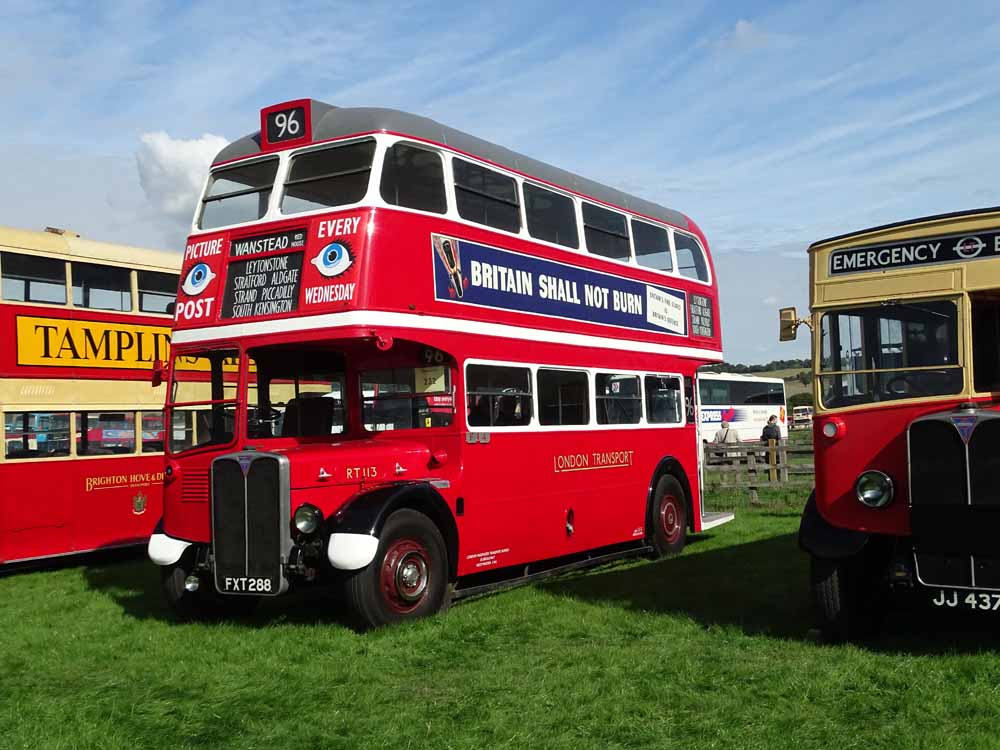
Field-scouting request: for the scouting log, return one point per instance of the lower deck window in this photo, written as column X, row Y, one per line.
column 406, row 398
column 498, row 396
column 619, row 400
column 563, row 397
column 664, row 400
column 105, row 433
column 36, row 434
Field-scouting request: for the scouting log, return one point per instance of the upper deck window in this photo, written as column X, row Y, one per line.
column 156, row 291
column 690, row 257
column 892, row 351
column 414, row 178
column 652, row 246
column 101, row 287
column 330, row 177
column 238, row 194
column 29, row 278
column 551, row 216
column 486, row 197
column 605, row 232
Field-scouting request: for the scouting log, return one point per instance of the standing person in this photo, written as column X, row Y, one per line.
column 726, row 434
column 771, row 430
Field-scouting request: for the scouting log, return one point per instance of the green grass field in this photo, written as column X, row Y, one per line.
column 712, row 649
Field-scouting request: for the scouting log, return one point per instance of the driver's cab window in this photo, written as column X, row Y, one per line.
column 406, row 398
column 295, row 394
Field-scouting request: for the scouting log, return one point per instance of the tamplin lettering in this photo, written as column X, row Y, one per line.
column 107, row 345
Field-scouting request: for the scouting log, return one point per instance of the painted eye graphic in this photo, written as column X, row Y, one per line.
column 197, row 279
column 333, row 259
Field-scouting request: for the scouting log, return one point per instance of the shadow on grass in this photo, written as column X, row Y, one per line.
column 135, row 587
column 762, row 588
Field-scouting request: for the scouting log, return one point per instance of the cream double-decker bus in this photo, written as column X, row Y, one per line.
column 81, row 428
column 905, row 325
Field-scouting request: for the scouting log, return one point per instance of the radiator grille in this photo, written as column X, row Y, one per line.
column 250, row 525
column 955, row 499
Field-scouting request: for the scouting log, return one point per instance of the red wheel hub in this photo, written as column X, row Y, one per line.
column 405, row 575
column 670, row 518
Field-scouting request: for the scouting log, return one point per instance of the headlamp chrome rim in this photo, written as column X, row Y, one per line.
column 307, row 519
column 874, row 489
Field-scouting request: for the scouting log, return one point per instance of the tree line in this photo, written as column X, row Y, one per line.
column 742, row 369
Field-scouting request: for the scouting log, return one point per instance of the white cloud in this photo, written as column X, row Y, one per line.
column 172, row 172
column 746, row 36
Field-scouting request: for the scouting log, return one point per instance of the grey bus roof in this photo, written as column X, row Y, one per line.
column 330, row 122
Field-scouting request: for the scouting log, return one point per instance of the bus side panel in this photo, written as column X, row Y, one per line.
column 522, row 487
column 117, row 500
column 35, row 509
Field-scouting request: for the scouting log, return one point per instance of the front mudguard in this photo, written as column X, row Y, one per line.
column 824, row 541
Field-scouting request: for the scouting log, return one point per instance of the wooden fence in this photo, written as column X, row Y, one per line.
column 753, row 466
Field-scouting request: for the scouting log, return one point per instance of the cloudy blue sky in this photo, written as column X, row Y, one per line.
column 771, row 124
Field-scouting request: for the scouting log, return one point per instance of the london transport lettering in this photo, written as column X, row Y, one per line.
column 469, row 273
column 926, row 251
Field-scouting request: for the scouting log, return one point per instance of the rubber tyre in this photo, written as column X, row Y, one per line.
column 668, row 517
column 205, row 603
column 842, row 595
column 371, row 594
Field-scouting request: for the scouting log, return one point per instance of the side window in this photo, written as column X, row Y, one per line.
column 563, row 397
column 551, row 216
column 486, row 197
column 182, row 435
column 153, row 433
column 407, row 398
column 619, row 399
column 498, row 396
column 101, row 287
column 36, row 434
column 29, row 278
column 414, row 178
column 329, row 177
column 105, row 433
column 156, row 291
column 652, row 246
column 663, row 400
column 605, row 232
column 690, row 257
column 715, row 392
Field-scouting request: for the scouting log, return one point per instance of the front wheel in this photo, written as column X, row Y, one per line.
column 203, row 603
column 668, row 517
column 408, row 577
column 843, row 595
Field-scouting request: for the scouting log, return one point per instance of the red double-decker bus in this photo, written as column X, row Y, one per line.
column 427, row 366
column 81, row 430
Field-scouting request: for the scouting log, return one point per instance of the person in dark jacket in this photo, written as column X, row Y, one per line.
column 771, row 430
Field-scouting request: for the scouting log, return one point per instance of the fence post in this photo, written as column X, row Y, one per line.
column 784, row 460
column 772, row 460
column 752, row 475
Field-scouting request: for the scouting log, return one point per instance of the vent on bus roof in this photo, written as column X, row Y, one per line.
column 61, row 232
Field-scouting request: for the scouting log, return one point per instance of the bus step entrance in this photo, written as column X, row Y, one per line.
column 710, row 520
